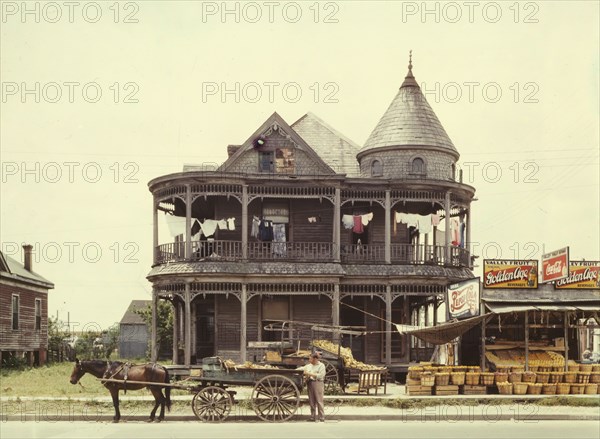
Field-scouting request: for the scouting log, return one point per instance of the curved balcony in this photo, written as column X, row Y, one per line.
column 233, row 251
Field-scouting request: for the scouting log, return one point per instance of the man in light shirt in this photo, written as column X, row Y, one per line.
column 314, row 372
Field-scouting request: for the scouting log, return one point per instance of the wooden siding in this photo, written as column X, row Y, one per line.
column 313, row 310
column 373, row 341
column 133, row 340
column 303, row 231
column 26, row 338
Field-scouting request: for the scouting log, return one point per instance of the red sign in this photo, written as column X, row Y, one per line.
column 582, row 274
column 504, row 273
column 555, row 265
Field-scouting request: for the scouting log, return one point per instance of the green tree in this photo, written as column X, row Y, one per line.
column 164, row 324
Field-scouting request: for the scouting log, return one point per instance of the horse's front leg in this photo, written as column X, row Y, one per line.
column 114, row 392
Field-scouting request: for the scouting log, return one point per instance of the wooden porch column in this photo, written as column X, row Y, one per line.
column 188, row 326
column 175, row 332
column 406, row 319
column 388, row 318
column 154, row 230
column 448, row 234
column 153, row 334
column 337, row 219
column 566, row 335
column 243, row 332
column 335, row 306
column 193, row 331
column 468, row 237
column 526, row 341
column 245, row 222
column 188, row 221
column 388, row 228
column 483, row 323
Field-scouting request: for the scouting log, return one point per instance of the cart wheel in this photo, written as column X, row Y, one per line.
column 212, row 404
column 332, row 380
column 275, row 398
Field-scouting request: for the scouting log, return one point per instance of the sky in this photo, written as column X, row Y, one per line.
column 98, row 98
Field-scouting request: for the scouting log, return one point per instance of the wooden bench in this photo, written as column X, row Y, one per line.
column 369, row 380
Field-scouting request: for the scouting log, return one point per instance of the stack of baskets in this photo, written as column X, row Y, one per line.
column 472, row 378
column 442, row 378
column 487, row 378
column 542, row 377
column 528, row 377
column 501, row 377
column 427, row 379
column 457, row 378
column 515, row 377
column 556, row 377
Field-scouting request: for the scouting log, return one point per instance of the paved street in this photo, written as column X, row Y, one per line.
column 292, row 430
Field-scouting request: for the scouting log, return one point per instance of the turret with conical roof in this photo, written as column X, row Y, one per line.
column 409, row 141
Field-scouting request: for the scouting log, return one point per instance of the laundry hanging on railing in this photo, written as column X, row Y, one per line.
column 357, row 222
column 255, row 224
column 209, row 227
column 423, row 223
column 347, row 221
column 279, row 240
column 265, row 230
column 176, row 224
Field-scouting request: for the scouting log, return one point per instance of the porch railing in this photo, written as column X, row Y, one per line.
column 409, row 254
column 297, row 251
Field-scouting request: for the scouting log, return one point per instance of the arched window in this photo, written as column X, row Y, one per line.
column 453, row 175
column 376, row 168
column 418, row 166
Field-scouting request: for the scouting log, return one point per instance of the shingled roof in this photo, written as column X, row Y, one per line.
column 334, row 148
column 13, row 269
column 409, row 121
column 131, row 317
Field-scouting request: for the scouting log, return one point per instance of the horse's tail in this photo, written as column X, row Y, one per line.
column 167, row 389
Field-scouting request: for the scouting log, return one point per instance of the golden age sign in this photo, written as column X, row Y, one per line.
column 507, row 273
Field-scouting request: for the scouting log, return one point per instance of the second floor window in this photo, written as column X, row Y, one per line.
column 15, row 311
column 376, row 168
column 265, row 161
column 418, row 166
column 38, row 314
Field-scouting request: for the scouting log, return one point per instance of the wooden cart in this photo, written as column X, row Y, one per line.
column 275, row 393
column 297, row 334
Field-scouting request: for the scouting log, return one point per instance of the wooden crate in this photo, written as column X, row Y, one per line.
column 446, row 390
column 418, row 390
column 411, row 382
column 474, row 390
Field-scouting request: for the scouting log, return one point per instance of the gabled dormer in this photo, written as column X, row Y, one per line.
column 275, row 148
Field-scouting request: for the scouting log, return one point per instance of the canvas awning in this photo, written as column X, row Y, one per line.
column 501, row 308
column 445, row 332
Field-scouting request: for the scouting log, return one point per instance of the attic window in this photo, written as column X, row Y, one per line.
column 376, row 168
column 280, row 161
column 417, row 166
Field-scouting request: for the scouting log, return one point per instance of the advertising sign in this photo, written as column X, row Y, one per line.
column 582, row 274
column 555, row 265
column 463, row 299
column 507, row 273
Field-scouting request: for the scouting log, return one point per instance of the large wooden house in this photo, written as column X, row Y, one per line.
column 24, row 310
column 302, row 224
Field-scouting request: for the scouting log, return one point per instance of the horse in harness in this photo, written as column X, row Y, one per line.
column 141, row 376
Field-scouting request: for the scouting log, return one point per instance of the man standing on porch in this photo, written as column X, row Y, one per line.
column 314, row 372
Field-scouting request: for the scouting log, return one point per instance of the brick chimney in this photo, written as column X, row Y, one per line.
column 27, row 248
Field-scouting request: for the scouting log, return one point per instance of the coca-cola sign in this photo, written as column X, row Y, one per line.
column 507, row 273
column 555, row 265
column 582, row 274
column 463, row 299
